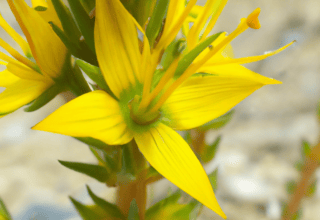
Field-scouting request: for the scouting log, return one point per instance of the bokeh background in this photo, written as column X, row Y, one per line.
column 259, row 147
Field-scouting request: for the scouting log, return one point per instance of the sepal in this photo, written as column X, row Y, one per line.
column 97, row 172
column 95, row 74
column 88, row 5
column 85, row 23
column 209, row 151
column 94, row 143
column 156, row 20
column 45, row 98
column 67, row 22
column 218, row 122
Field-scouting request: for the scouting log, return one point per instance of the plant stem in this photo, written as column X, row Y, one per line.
column 310, row 166
column 135, row 190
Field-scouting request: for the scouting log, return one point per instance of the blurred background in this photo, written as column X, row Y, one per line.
column 259, row 147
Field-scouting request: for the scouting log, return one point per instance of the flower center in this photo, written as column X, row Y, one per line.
column 142, row 116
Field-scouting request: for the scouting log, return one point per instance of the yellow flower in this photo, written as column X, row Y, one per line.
column 148, row 113
column 24, row 79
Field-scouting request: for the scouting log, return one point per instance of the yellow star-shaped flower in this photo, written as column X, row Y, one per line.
column 148, row 113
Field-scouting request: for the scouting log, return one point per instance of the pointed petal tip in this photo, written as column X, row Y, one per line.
column 272, row 81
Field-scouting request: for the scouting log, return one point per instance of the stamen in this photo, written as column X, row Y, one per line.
column 17, row 55
column 250, row 59
column 15, row 36
column 253, row 18
column 164, row 80
column 170, row 34
column 213, row 20
column 193, row 36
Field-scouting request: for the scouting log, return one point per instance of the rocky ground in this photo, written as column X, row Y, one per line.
column 259, row 148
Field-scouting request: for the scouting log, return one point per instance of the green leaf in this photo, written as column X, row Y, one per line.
column 133, row 211
column 291, row 186
column 218, row 122
column 67, row 22
column 112, row 210
column 311, row 189
column 306, row 148
column 4, row 214
column 44, row 98
column 86, row 212
column 95, row 74
column 189, row 211
column 169, row 208
column 187, row 60
column 94, row 143
column 213, row 179
column 85, row 23
column 95, row 171
column 156, row 19
column 209, row 151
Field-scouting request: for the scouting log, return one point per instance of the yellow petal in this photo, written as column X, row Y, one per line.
column 19, row 94
column 47, row 48
column 39, row 3
column 15, row 36
column 7, row 78
column 49, row 14
column 24, row 72
column 203, row 98
column 116, row 42
column 94, row 114
column 171, row 156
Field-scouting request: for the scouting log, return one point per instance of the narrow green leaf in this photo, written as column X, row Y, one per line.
column 95, row 171
column 73, row 47
column 218, row 122
column 44, row 98
column 156, row 19
column 311, row 189
column 94, row 142
column 210, row 150
column 112, row 210
column 154, row 210
column 133, row 211
column 306, row 148
column 85, row 212
column 95, row 74
column 187, row 60
column 85, row 23
column 4, row 214
column 169, row 208
column 189, row 211
column 67, row 22
column 291, row 186
column 213, row 179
